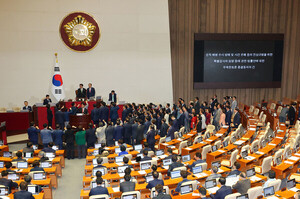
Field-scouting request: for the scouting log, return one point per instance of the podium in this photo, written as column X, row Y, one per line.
column 83, row 120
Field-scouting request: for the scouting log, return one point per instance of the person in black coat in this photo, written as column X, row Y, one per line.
column 151, row 137
column 105, row 112
column 292, row 114
column 160, row 193
column 197, row 105
column 6, row 182
column 33, row 133
column 26, row 107
column 69, row 139
column 118, row 131
column 223, row 191
column 23, row 193
column 124, row 113
column 155, row 181
column 114, row 112
column 134, row 131
column 164, row 128
column 127, row 132
column 47, row 100
column 109, row 134
column 175, row 164
column 127, row 185
column 90, row 135
column 81, row 92
column 171, row 131
column 228, row 115
column 139, row 132
column 99, row 190
column 112, row 96
column 49, row 115
column 59, row 118
column 236, row 118
column 95, row 114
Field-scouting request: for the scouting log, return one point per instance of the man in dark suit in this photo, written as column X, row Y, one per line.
column 58, row 136
column 151, row 137
column 99, row 190
column 203, row 192
column 114, row 112
column 139, row 133
column 171, row 130
column 147, row 124
column 105, row 112
column 127, row 185
column 109, row 134
column 82, row 109
column 118, row 131
column 134, row 127
column 160, row 192
column 47, row 100
column 175, row 164
column 23, row 193
column 124, row 113
column 33, row 133
column 36, row 166
column 49, row 115
column 197, row 105
column 73, row 109
column 26, row 107
column 198, row 160
column 146, row 157
column 164, row 128
column 126, row 160
column 184, row 175
column 6, row 182
column 243, row 184
column 81, row 92
column 59, row 118
column 228, row 115
column 19, row 157
column 90, row 93
column 235, row 169
column 90, row 135
column 223, row 191
column 95, row 114
column 292, row 114
column 8, row 166
column 154, row 182
column 112, row 96
column 127, row 132
column 236, row 118
column 49, row 149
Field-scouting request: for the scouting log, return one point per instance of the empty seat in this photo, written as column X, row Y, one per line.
column 205, row 150
column 181, row 146
column 254, row 192
column 276, row 184
column 265, row 166
column 229, row 163
column 232, row 196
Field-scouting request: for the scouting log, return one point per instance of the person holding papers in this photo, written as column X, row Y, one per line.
column 223, row 191
column 243, row 184
column 198, row 160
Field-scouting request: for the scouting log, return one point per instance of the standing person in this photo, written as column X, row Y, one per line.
column 90, row 93
column 292, row 114
column 80, row 141
column 236, row 118
column 186, row 119
column 228, row 115
column 283, row 114
column 49, row 115
column 58, row 136
column 203, row 119
column 114, row 113
column 59, row 118
column 139, row 132
column 193, row 121
column 47, row 100
column 222, row 118
column 81, row 92
column 26, row 107
column 100, row 132
column 118, row 131
column 70, row 139
column 46, row 135
column 91, row 138
column 112, row 96
column 127, row 132
column 105, row 112
column 95, row 114
column 151, row 137
column 171, row 130
column 134, row 131
column 33, row 133
column 234, row 103
column 207, row 116
column 164, row 128
column 109, row 134
column 197, row 105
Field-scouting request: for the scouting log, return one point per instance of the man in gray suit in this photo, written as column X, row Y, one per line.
column 217, row 115
column 127, row 185
column 243, row 184
column 234, row 103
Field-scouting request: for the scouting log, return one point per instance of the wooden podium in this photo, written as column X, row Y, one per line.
column 83, row 120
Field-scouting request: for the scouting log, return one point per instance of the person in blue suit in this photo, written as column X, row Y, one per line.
column 90, row 92
column 124, row 113
column 236, row 118
column 114, row 112
column 171, row 130
column 118, row 131
column 228, row 115
column 26, row 107
column 49, row 148
column 99, row 190
column 59, row 118
column 73, row 109
column 198, row 160
column 175, row 123
column 235, row 169
column 151, row 137
column 223, row 191
column 154, row 182
column 127, row 132
column 105, row 112
column 58, row 136
column 112, row 96
column 184, row 175
column 36, row 166
column 33, row 133
column 23, row 193
column 95, row 114
column 46, row 135
column 147, row 124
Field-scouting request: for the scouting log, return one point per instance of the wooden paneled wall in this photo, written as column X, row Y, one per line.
column 234, row 16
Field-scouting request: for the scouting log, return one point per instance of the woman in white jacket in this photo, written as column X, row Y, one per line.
column 100, row 132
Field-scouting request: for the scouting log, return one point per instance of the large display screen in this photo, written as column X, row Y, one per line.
column 238, row 60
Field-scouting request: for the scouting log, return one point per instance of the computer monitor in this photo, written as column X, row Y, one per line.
column 46, row 164
column 199, row 139
column 197, row 169
column 185, row 189
column 296, row 148
column 159, row 152
column 216, row 163
column 250, row 172
column 186, row 158
column 244, row 196
column 175, row 174
column 98, row 169
column 3, row 191
column 117, row 150
column 179, row 135
column 291, row 183
column 244, row 154
column 116, row 143
column 34, row 189
column 55, row 147
column 154, row 192
column 210, row 184
column 140, row 155
column 167, row 162
column 13, row 176
column 7, row 154
column 119, row 159
column 129, row 196
column 50, row 155
column 149, row 178
column 278, row 160
column 97, row 146
column 1, row 164
column 263, row 143
column 138, row 147
column 255, row 148
column 39, row 176
column 95, row 161
column 168, row 139
column 144, row 165
column 269, row 191
column 231, row 176
column 207, row 135
column 22, row 165
column 288, row 154
column 214, row 148
column 94, row 184
column 27, row 154
column 121, row 169
column 225, row 144
column 35, row 147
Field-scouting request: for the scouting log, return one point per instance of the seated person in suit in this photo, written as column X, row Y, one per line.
column 145, row 153
column 175, row 164
column 123, row 150
column 127, row 185
column 169, row 153
column 214, row 174
column 99, row 189
column 243, row 184
column 42, row 156
column 19, row 157
column 28, row 180
column 154, row 182
column 8, row 166
column 203, row 192
column 198, row 160
column 26, row 107
column 81, row 92
column 82, row 109
column 7, row 182
column 36, row 166
column 223, row 191
column 49, row 149
column 28, row 148
column 184, row 175
column 23, row 193
column 126, row 160
column 235, row 169
column 272, row 177
column 47, row 100
column 146, row 147
column 160, row 192
column 99, row 162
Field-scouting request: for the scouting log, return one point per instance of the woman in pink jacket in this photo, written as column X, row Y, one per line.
column 222, row 118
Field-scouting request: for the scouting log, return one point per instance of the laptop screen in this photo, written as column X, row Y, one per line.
column 269, row 191
column 159, row 152
column 50, row 155
column 96, row 152
column 200, row 139
column 97, row 146
column 244, row 153
column 28, row 155
column 119, row 159
column 138, row 147
column 216, row 163
column 55, row 148
column 149, row 178
column 3, row 191
column 145, row 165
column 186, row 158
column 34, row 189
column 175, row 174
column 117, row 150
column 7, row 154
column 131, row 196
column 22, row 165
column 168, row 139
column 291, row 183
column 1, row 164
column 39, row 176
column 225, row 144
column 278, row 160
column 46, row 164
column 13, row 176
column 140, row 155
column 95, row 161
column 250, row 172
column 98, row 169
column 197, row 169
column 186, row 189
column 214, row 148
column 245, row 196
column 167, row 162
column 122, row 169
column 210, row 184
column 255, row 148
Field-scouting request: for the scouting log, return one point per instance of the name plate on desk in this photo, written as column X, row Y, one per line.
column 79, row 114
